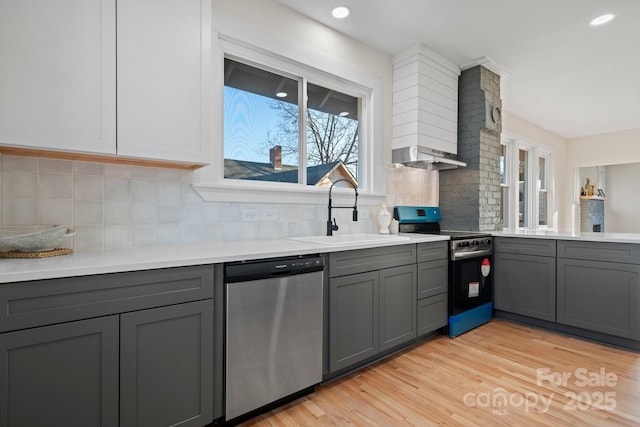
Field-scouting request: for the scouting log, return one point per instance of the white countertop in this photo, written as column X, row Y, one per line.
column 564, row 235
column 82, row 263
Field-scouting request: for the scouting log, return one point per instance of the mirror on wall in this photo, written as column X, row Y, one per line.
column 619, row 195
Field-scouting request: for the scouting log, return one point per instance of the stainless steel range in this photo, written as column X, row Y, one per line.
column 470, row 261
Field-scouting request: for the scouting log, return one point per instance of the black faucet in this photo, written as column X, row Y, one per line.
column 332, row 226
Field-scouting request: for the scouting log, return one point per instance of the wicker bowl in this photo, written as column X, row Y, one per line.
column 37, row 241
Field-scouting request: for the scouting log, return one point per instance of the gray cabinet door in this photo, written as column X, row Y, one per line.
column 353, row 319
column 60, row 375
column 433, row 278
column 599, row 296
column 525, row 285
column 432, row 313
column 363, row 260
column 166, row 366
column 398, row 288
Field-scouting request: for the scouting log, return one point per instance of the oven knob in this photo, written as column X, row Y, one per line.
column 475, row 243
column 463, row 244
column 486, row 241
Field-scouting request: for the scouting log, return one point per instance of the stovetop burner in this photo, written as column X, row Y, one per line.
column 460, row 235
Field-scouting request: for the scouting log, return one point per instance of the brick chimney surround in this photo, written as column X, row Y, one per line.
column 469, row 198
column 275, row 156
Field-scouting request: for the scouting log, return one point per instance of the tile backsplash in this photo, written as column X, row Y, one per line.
column 120, row 206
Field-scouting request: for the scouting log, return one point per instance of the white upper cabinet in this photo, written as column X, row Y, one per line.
column 60, row 87
column 164, row 96
column 58, row 74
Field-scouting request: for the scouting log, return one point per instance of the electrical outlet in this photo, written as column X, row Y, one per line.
column 268, row 215
column 363, row 214
column 249, row 215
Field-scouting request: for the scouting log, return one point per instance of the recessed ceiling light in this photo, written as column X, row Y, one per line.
column 602, row 19
column 281, row 94
column 340, row 12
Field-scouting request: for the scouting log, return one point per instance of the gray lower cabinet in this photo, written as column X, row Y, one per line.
column 370, row 311
column 524, row 283
column 597, row 295
column 433, row 285
column 126, row 365
column 397, row 311
column 166, row 369
column 353, row 319
column 60, row 375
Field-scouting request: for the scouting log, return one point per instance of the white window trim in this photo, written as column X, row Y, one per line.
column 243, row 41
column 514, row 144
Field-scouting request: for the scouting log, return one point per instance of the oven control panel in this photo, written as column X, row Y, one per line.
column 473, row 247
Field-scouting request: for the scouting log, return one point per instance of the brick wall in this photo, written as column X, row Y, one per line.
column 591, row 214
column 470, row 197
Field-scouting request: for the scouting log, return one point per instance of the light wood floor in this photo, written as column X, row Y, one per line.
column 501, row 374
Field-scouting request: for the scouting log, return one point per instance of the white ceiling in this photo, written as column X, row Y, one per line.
column 565, row 76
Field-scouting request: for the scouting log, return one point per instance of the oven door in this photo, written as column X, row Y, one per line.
column 470, row 293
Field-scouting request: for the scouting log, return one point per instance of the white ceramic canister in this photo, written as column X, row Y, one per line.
column 384, row 219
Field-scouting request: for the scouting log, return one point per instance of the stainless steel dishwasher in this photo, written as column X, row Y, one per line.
column 273, row 330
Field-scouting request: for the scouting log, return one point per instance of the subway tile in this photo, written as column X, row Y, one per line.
column 55, row 212
column 145, row 172
column 144, row 235
column 117, row 189
column 88, row 188
column 117, row 213
column 190, row 233
column 88, row 213
column 144, row 190
column 170, row 174
column 169, row 192
column 88, row 168
column 211, row 212
column 144, row 213
column 19, row 185
column 55, row 186
column 168, row 234
column 192, row 213
column 55, row 166
column 20, row 212
column 169, row 213
column 88, row 237
column 19, row 163
column 117, row 236
column 212, row 232
column 113, row 170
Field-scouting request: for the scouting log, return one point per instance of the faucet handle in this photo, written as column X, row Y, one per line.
column 334, row 227
column 355, row 213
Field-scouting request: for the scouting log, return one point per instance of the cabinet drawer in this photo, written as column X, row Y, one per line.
column 626, row 253
column 432, row 278
column 432, row 313
column 363, row 260
column 524, row 246
column 432, row 251
column 44, row 302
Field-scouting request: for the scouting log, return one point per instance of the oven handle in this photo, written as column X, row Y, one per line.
column 473, row 254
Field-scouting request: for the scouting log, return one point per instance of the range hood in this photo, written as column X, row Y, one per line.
column 424, row 158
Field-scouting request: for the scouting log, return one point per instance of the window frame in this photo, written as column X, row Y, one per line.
column 209, row 181
column 535, row 151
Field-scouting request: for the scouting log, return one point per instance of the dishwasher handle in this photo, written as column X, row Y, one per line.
column 265, row 269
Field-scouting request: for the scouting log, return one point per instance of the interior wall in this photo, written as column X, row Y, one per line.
column 615, row 148
column 515, row 125
column 622, row 203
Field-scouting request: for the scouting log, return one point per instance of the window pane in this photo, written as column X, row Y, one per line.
column 503, row 164
column 523, row 196
column 542, row 181
column 261, row 137
column 332, row 136
column 504, row 202
column 542, row 208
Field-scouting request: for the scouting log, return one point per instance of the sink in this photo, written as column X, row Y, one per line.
column 350, row 239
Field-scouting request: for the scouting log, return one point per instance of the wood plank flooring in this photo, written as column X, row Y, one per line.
column 501, row 374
